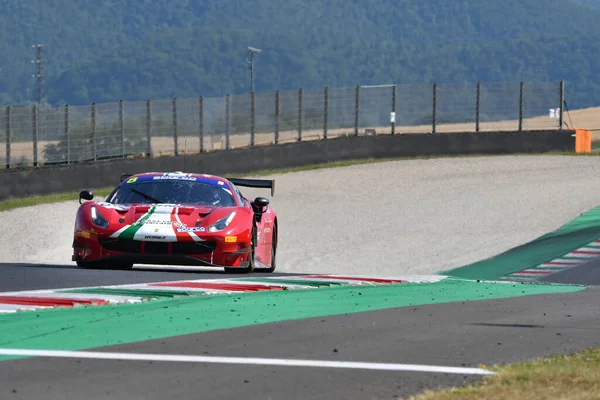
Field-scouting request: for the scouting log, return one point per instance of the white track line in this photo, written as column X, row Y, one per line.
column 245, row 361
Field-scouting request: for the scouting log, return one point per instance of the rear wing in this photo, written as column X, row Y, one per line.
column 255, row 183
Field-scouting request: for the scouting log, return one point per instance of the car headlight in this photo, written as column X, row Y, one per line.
column 98, row 219
column 222, row 223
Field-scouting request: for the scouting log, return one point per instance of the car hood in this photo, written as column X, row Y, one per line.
column 160, row 222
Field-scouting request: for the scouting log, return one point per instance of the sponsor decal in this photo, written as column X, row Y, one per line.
column 129, row 232
column 84, row 234
column 192, row 229
column 155, row 237
column 158, row 222
column 180, row 178
column 132, row 180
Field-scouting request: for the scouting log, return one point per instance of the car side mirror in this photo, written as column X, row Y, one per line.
column 86, row 195
column 258, row 205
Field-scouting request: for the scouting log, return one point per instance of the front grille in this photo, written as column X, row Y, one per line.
column 177, row 248
column 193, row 247
column 123, row 246
column 156, row 248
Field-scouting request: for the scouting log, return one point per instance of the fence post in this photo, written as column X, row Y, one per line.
column 175, row 144
column 94, row 131
column 35, row 136
column 356, row 109
column 394, row 89
column 521, row 106
column 201, row 120
column 325, row 111
column 299, row 114
column 477, row 106
column 122, row 126
column 227, row 121
column 561, row 88
column 67, row 134
column 252, row 120
column 8, row 126
column 277, row 117
column 148, row 128
column 434, row 113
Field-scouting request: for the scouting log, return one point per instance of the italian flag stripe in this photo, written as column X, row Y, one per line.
column 130, row 232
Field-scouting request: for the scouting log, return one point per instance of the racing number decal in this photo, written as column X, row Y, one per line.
column 131, row 180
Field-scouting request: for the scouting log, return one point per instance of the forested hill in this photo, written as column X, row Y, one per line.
column 106, row 50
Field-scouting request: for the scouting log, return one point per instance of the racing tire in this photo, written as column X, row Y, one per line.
column 90, row 265
column 251, row 263
column 104, row 265
column 122, row 265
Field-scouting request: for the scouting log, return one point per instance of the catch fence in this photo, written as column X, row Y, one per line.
column 34, row 136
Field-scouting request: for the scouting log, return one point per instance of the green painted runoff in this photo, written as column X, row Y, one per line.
column 91, row 327
column 573, row 235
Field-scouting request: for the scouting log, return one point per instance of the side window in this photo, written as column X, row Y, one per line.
column 239, row 196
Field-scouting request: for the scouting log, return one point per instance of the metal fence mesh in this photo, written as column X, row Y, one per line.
column 456, row 107
column 414, row 108
column 21, row 136
column 264, row 118
column 188, row 121
column 341, row 111
column 538, row 101
column 136, row 126
column 312, row 114
column 52, row 137
column 215, row 123
column 288, row 116
column 32, row 136
column 375, row 106
column 499, row 106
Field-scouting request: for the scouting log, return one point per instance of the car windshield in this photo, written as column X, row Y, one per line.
column 193, row 191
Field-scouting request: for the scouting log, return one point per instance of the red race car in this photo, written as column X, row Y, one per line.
column 177, row 218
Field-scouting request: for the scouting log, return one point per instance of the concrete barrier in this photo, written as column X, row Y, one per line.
column 17, row 183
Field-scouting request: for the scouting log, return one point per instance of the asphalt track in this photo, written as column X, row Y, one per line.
column 451, row 334
column 585, row 274
column 456, row 334
column 43, row 276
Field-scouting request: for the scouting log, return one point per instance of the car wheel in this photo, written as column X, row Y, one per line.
column 122, row 265
column 90, row 265
column 250, row 267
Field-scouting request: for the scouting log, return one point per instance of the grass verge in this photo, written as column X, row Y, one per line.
column 99, row 192
column 575, row 376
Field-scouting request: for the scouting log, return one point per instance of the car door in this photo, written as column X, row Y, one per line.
column 264, row 230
